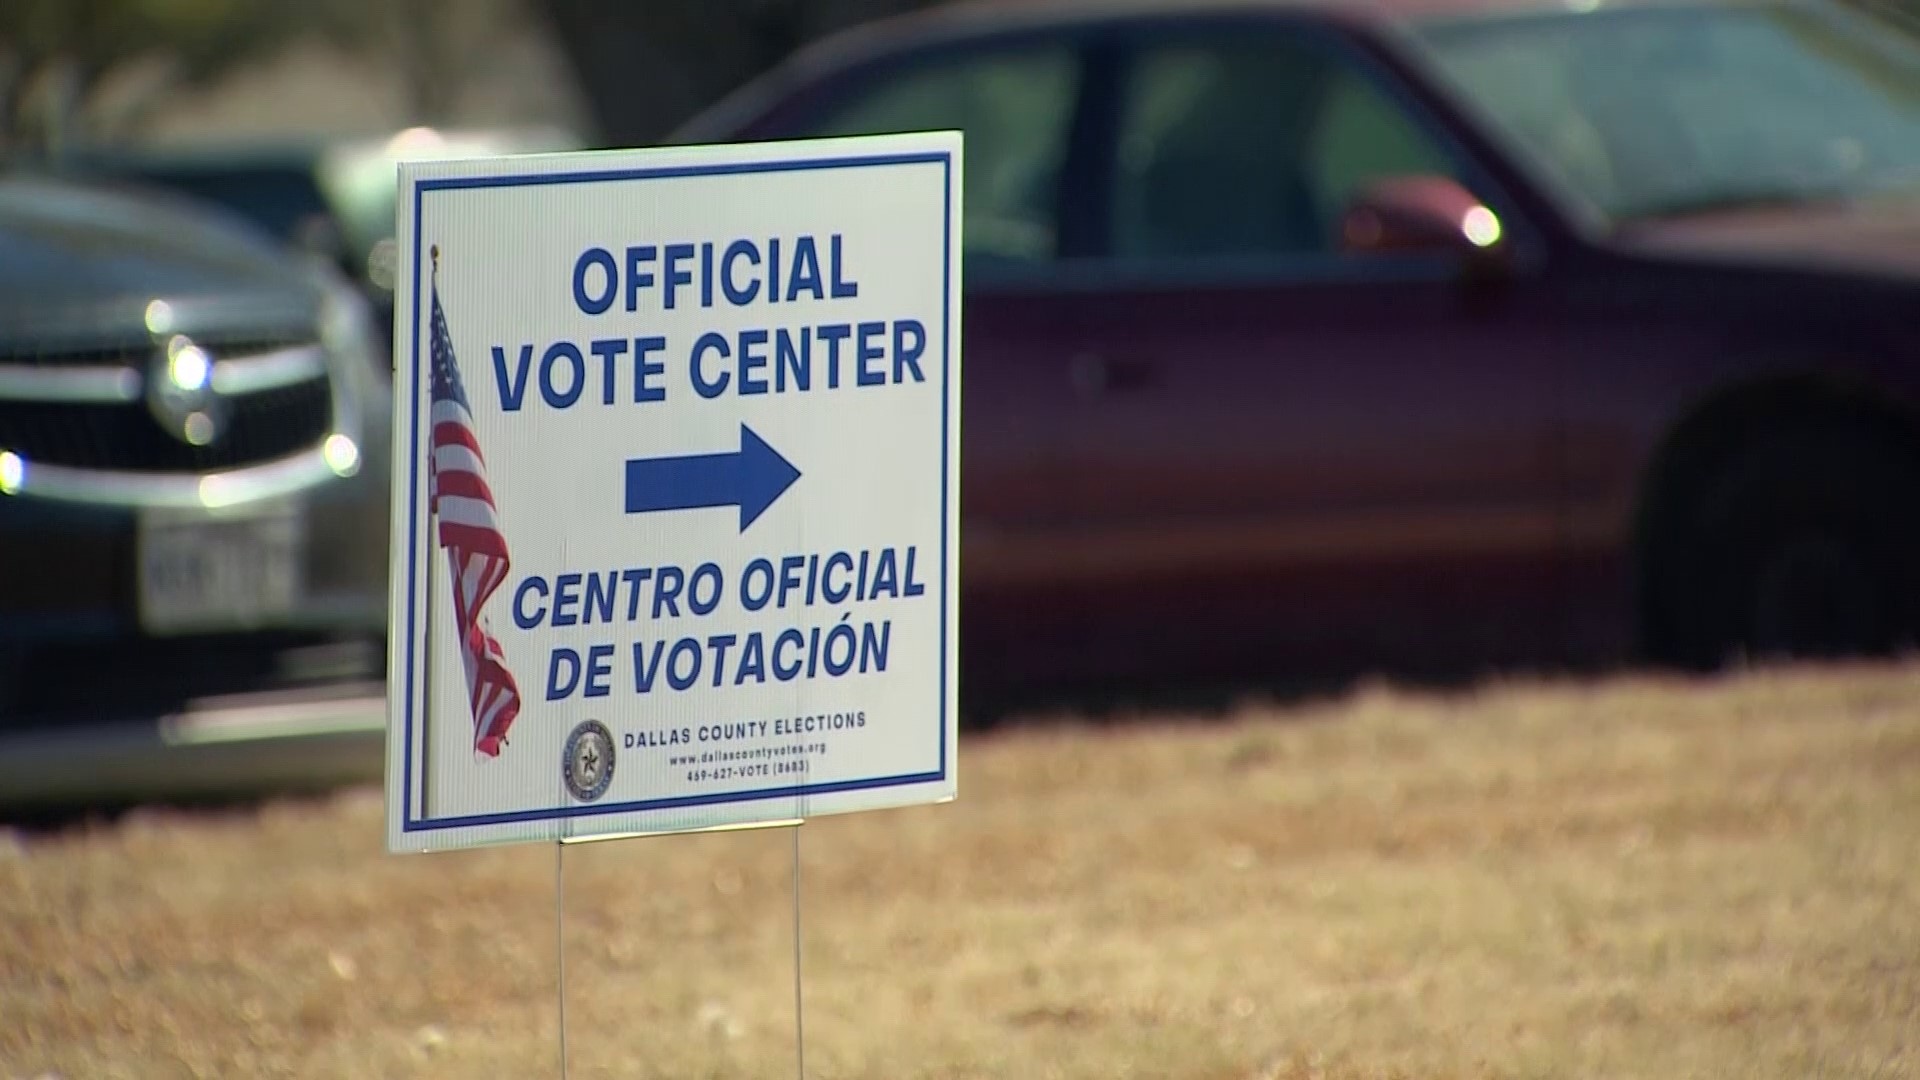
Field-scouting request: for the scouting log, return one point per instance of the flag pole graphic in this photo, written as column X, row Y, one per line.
column 427, row 669
column 426, row 616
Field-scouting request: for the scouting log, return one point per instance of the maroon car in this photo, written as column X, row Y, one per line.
column 1420, row 332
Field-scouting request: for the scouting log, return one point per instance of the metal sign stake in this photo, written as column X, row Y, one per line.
column 560, row 943
column 799, row 1025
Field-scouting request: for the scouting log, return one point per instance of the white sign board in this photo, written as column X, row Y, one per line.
column 676, row 489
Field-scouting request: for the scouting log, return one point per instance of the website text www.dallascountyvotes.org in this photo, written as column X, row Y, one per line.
column 789, row 760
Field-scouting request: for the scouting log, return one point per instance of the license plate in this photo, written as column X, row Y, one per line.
column 199, row 573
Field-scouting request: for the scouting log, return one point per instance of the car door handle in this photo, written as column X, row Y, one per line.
column 1096, row 374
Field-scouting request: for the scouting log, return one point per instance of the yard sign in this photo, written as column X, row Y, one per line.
column 676, row 489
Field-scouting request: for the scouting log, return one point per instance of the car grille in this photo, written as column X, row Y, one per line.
column 113, row 434
column 133, row 352
column 126, row 436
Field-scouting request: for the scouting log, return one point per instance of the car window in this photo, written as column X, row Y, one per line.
column 1251, row 146
column 1681, row 107
column 1015, row 107
column 280, row 200
column 1361, row 135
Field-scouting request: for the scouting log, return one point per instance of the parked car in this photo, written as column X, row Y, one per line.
column 331, row 197
column 1416, row 332
column 193, row 505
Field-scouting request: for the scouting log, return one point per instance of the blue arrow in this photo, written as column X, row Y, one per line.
column 751, row 478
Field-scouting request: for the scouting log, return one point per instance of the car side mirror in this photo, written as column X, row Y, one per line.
column 1416, row 214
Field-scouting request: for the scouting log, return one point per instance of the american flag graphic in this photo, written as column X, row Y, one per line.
column 469, row 531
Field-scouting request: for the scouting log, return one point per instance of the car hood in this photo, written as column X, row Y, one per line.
column 75, row 256
column 1880, row 238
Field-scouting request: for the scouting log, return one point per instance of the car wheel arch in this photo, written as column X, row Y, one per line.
column 1703, row 444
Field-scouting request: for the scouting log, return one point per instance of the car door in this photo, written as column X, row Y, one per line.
column 1288, row 454
column 1017, row 100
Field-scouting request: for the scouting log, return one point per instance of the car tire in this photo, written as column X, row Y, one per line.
column 1806, row 545
column 13, row 663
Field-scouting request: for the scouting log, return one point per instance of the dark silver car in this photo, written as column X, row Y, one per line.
column 194, row 428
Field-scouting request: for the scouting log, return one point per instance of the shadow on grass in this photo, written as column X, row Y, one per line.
column 1122, row 702
column 54, row 821
column 1112, row 703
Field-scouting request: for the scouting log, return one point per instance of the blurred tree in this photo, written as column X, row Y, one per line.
column 1908, row 10
column 56, row 55
column 645, row 67
column 433, row 45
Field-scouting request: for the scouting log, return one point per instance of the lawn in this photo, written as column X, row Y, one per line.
column 1624, row 879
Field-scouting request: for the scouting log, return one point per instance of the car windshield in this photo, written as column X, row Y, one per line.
column 276, row 198
column 1652, row 110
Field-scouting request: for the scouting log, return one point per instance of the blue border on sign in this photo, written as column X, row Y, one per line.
column 409, row 823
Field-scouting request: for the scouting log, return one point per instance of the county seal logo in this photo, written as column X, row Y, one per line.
column 587, row 764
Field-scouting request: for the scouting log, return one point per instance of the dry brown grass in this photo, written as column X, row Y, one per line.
column 1632, row 879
